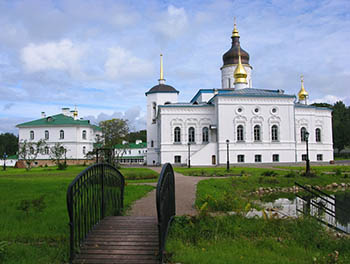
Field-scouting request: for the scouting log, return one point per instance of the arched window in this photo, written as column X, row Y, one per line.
column 177, row 135
column 240, row 133
column 31, row 150
column 274, row 133
column 303, row 134
column 84, row 134
column 257, row 131
column 31, row 134
column 205, row 133
column 46, row 152
column 318, row 134
column 84, row 150
column 61, row 134
column 47, row 134
column 152, row 143
column 191, row 137
column 154, row 111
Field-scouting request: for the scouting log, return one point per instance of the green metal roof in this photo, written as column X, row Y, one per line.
column 131, row 146
column 58, row 120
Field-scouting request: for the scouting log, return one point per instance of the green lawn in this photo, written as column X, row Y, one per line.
column 41, row 236
column 236, row 171
column 235, row 239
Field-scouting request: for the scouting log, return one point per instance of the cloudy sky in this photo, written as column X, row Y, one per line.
column 103, row 55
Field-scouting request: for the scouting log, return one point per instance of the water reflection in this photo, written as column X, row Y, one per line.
column 334, row 210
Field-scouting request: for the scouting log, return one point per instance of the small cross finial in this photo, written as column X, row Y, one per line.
column 302, row 78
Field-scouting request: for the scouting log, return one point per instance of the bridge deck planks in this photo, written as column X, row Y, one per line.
column 122, row 240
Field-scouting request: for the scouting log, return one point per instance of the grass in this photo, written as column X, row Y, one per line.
column 235, row 239
column 234, row 193
column 41, row 234
column 318, row 169
column 218, row 172
column 130, row 174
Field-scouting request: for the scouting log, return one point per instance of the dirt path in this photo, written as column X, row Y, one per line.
column 185, row 195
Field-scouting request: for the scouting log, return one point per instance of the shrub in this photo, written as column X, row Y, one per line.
column 291, row 174
column 270, row 173
column 3, row 249
column 338, row 172
column 62, row 166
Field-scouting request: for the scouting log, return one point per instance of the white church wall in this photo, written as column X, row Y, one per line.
column 229, row 118
column 312, row 118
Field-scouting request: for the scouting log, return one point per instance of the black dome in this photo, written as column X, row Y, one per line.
column 231, row 56
column 162, row 88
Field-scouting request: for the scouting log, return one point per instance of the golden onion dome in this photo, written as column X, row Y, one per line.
column 303, row 94
column 240, row 73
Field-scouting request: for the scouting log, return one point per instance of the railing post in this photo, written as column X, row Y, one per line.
column 102, row 192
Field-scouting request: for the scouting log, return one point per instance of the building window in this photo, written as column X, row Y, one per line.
column 257, row 133
column 240, row 158
column 274, row 133
column 257, row 158
column 275, row 158
column 61, row 134
column 84, row 150
column 177, row 135
column 31, row 134
column 46, row 151
column 240, row 133
column 47, row 134
column 191, row 137
column 31, row 150
column 154, row 108
column 303, row 157
column 319, row 157
column 84, row 134
column 318, row 135
column 152, row 143
column 303, row 134
column 205, row 132
column 177, row 159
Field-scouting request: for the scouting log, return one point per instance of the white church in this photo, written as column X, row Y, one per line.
column 237, row 123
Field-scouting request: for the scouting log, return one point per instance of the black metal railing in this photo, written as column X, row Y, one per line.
column 323, row 203
column 96, row 192
column 165, row 198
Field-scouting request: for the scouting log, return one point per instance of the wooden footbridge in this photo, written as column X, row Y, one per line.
column 98, row 232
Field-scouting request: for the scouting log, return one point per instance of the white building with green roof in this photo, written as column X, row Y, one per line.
column 131, row 153
column 76, row 135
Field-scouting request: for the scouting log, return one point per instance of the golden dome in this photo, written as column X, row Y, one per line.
column 303, row 94
column 240, row 73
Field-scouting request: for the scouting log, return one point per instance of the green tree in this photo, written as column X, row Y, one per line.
column 114, row 131
column 29, row 151
column 341, row 125
column 57, row 154
column 133, row 136
column 8, row 144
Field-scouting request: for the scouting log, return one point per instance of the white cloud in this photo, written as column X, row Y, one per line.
column 330, row 99
column 62, row 55
column 135, row 116
column 121, row 63
column 172, row 23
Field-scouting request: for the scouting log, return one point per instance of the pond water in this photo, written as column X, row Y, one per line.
column 334, row 210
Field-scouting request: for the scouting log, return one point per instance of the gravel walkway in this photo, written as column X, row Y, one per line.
column 185, row 195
